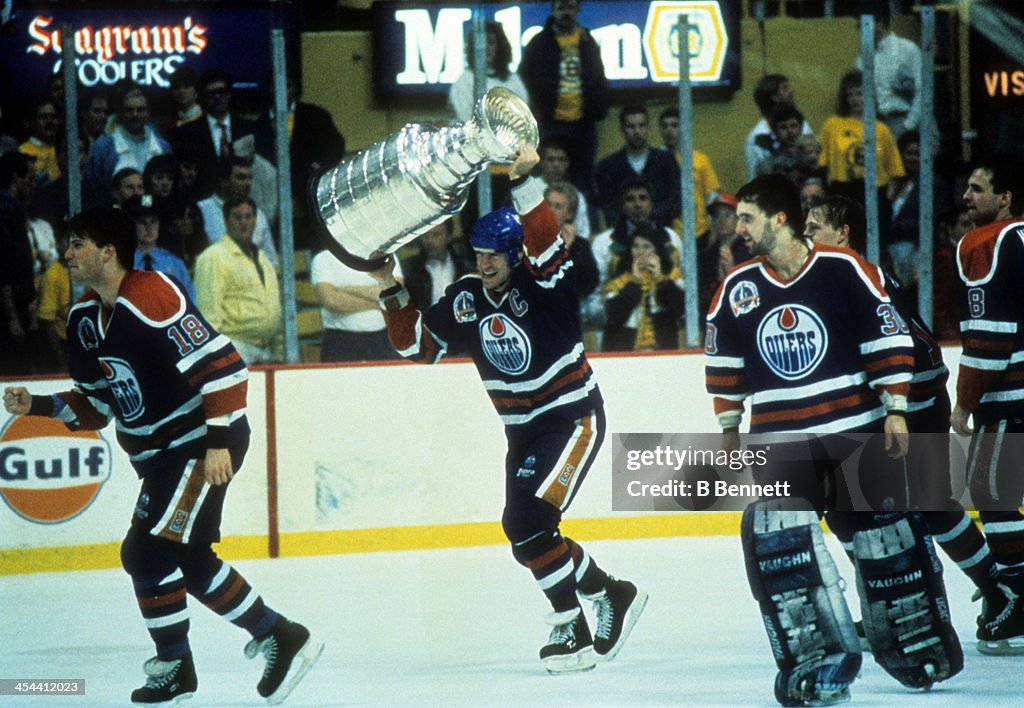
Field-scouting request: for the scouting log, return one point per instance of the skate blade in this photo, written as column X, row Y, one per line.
column 636, row 608
column 1002, row 647
column 583, row 660
column 177, row 699
column 301, row 664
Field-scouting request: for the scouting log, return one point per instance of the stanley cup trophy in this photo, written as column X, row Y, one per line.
column 392, row 192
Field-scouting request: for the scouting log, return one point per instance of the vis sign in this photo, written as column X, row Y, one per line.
column 49, row 474
column 420, row 47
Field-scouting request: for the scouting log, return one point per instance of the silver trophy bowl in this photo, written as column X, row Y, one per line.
column 397, row 189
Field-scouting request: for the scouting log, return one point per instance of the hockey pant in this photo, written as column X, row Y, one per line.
column 544, row 467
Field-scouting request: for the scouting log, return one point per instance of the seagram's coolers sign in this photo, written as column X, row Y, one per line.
column 420, row 47
column 143, row 44
column 49, row 474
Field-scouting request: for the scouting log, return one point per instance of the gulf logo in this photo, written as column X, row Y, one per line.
column 49, row 474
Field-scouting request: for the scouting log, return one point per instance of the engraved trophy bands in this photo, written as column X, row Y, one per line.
column 392, row 192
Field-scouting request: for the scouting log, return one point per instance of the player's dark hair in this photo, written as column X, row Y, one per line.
column 107, row 225
column 765, row 90
column 838, row 211
column 772, row 194
column 1006, row 176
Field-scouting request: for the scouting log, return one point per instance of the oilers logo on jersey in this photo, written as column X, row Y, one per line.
column 124, row 385
column 505, row 344
column 792, row 341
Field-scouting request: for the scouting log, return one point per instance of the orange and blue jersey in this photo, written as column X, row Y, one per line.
column 990, row 260
column 824, row 352
column 173, row 384
column 526, row 341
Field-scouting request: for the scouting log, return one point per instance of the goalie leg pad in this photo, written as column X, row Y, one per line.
column 903, row 602
column 797, row 585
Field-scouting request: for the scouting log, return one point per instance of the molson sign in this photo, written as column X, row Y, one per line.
column 420, row 47
column 49, row 474
column 143, row 44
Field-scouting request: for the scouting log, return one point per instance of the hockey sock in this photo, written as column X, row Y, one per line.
column 165, row 613
column 223, row 589
column 590, row 579
column 548, row 557
column 1004, row 531
column 963, row 542
column 160, row 590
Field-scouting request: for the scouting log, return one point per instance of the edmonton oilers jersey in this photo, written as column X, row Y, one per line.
column 928, row 386
column 990, row 383
column 526, row 342
column 153, row 363
column 812, row 354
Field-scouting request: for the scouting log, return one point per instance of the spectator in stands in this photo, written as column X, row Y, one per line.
column 50, row 201
column 41, row 145
column 210, row 140
column 160, row 180
column 437, row 265
column 705, row 180
column 644, row 300
column 131, row 142
column 188, row 172
column 125, row 184
column 812, row 193
column 770, row 92
column 52, row 315
column 17, row 279
column 842, row 135
column 314, row 143
column 638, row 159
column 185, row 226
column 237, row 289
column 235, row 181
column 721, row 251
column 785, row 154
column 897, row 77
column 264, row 177
column 563, row 72
column 185, row 94
column 148, row 255
column 563, row 199
column 354, row 327
column 461, row 95
column 636, row 208
column 7, row 142
column 93, row 115
column 554, row 167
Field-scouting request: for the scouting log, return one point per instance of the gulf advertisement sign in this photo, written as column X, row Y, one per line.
column 49, row 474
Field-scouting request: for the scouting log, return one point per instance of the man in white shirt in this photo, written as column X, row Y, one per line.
column 235, row 180
column 770, row 92
column 897, row 78
column 354, row 327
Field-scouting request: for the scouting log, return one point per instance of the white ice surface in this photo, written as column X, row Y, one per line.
column 459, row 627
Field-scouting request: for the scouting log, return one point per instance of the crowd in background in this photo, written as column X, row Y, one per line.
column 198, row 176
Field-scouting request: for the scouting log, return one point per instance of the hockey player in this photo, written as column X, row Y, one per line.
column 139, row 352
column 990, row 387
column 518, row 320
column 810, row 336
column 839, row 221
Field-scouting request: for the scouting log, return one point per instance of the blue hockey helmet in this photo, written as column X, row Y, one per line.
column 499, row 232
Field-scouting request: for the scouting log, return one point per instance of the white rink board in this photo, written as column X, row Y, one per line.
column 390, row 445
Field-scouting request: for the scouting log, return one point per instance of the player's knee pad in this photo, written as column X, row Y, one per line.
column 531, row 526
column 145, row 556
column 903, row 601
column 797, row 586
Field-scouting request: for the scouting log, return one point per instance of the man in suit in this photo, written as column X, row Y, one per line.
column 210, row 137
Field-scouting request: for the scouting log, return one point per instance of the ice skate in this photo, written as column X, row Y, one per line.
column 617, row 607
column 570, row 646
column 1001, row 623
column 290, row 652
column 167, row 682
